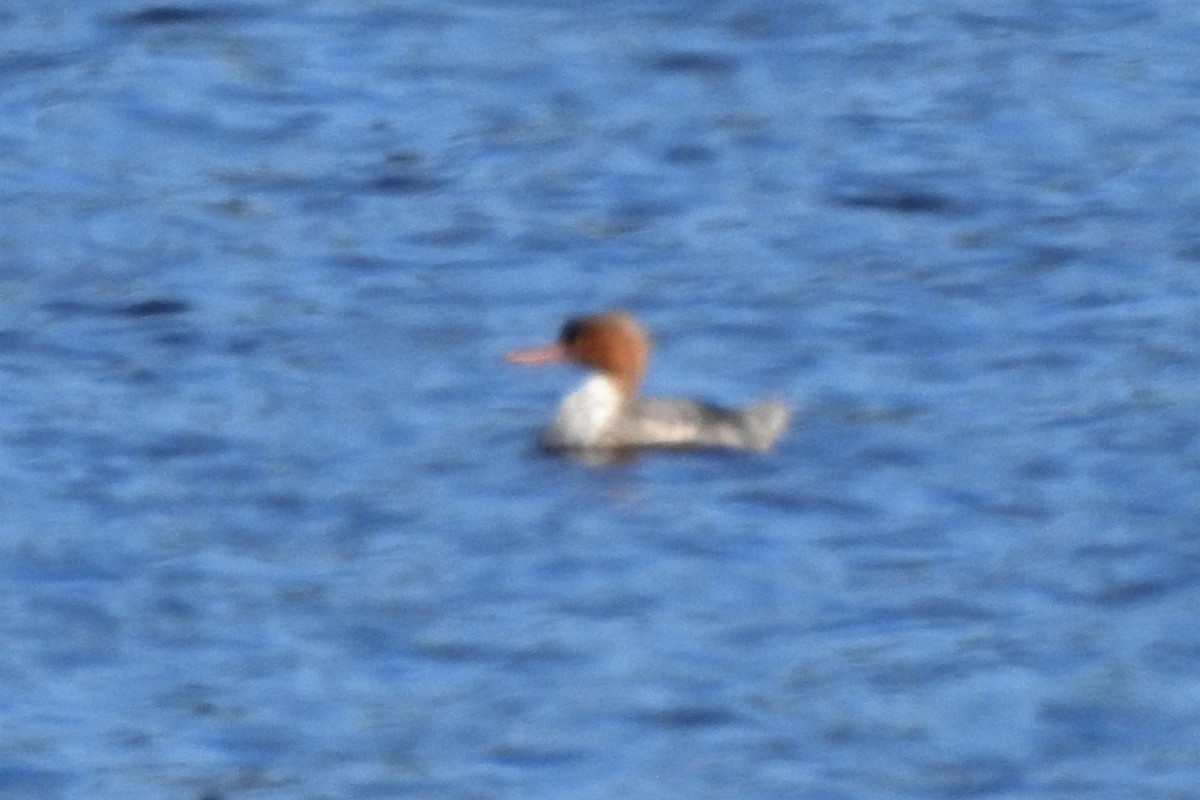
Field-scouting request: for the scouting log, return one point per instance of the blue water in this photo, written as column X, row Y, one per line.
column 272, row 524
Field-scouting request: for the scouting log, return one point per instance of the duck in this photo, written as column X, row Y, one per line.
column 606, row 413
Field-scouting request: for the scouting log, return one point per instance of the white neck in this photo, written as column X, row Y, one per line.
column 585, row 415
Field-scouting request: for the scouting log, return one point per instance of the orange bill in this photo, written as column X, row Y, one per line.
column 548, row 354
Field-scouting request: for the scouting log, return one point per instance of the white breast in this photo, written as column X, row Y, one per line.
column 585, row 416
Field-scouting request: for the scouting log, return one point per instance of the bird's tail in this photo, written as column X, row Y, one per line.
column 763, row 422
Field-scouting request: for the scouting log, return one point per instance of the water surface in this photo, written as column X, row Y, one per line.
column 272, row 523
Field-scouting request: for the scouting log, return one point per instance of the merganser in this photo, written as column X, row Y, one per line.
column 606, row 413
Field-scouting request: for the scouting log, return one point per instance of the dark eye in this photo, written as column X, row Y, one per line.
column 570, row 332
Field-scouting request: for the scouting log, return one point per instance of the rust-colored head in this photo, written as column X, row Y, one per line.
column 611, row 342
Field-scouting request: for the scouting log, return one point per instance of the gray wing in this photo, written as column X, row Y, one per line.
column 671, row 422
